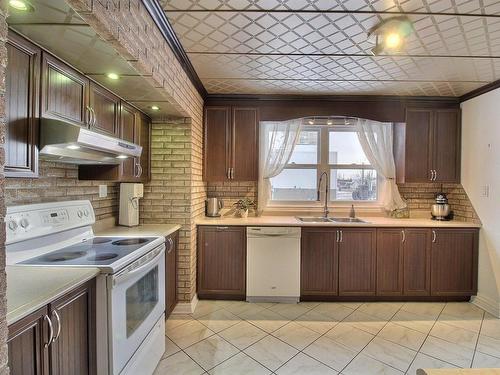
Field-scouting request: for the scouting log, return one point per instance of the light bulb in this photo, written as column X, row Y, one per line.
column 392, row 40
column 113, row 76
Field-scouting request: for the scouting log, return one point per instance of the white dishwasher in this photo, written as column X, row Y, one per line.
column 273, row 264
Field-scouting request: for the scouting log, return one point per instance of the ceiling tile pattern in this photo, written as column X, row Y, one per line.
column 249, row 46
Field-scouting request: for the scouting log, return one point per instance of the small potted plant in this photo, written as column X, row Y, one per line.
column 242, row 207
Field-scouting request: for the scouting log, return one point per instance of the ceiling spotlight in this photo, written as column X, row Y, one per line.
column 390, row 35
column 329, row 121
column 155, row 108
column 310, row 121
column 21, row 5
column 122, row 157
column 113, row 76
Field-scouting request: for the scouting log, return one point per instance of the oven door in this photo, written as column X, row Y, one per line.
column 137, row 296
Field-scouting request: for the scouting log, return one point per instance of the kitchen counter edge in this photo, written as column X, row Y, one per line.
column 140, row 230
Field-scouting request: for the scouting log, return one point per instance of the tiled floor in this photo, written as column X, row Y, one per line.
column 235, row 338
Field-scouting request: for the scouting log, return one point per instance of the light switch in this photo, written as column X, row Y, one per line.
column 103, row 191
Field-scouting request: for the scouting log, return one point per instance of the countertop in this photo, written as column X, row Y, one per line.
column 30, row 287
column 376, row 221
column 140, row 230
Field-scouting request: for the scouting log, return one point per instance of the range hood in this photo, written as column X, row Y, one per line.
column 68, row 143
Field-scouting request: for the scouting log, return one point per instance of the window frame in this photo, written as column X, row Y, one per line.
column 324, row 165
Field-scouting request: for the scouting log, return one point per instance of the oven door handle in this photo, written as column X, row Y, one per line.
column 125, row 275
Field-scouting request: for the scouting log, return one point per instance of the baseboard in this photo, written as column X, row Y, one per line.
column 487, row 304
column 186, row 307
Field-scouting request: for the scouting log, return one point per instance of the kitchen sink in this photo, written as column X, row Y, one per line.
column 330, row 220
column 314, row 219
column 346, row 220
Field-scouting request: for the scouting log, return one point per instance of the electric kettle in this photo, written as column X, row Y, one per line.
column 213, row 207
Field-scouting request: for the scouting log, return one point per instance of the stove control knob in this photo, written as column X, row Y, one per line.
column 12, row 225
column 86, row 212
column 80, row 213
column 24, row 223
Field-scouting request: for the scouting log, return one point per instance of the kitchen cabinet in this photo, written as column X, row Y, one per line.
column 104, row 110
column 319, row 262
column 390, row 261
column 129, row 121
column 221, row 262
column 427, row 146
column 231, row 143
column 172, row 244
column 357, row 261
column 454, row 262
column 58, row 338
column 417, row 262
column 22, row 90
column 64, row 92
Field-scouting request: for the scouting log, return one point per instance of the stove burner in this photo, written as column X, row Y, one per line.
column 129, row 241
column 64, row 256
column 97, row 241
column 103, row 256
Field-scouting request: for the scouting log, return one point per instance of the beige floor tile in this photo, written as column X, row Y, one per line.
column 267, row 305
column 296, row 335
column 206, row 307
column 316, row 321
column 266, row 320
column 389, row 353
column 463, row 310
column 425, row 361
column 212, row 351
column 290, row 311
column 189, row 334
column 334, row 311
column 482, row 360
column 175, row 320
column 488, row 345
column 219, row 320
column 446, row 351
column 352, row 305
column 455, row 335
column 430, row 310
column 350, row 336
column 302, row 364
column 382, row 310
column 239, row 308
column 240, row 364
column 243, row 334
column 471, row 324
column 271, row 352
column 330, row 352
column 363, row 365
column 366, row 322
column 178, row 364
column 403, row 336
column 491, row 326
column 413, row 321
column 170, row 348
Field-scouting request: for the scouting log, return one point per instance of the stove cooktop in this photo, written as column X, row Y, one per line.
column 97, row 251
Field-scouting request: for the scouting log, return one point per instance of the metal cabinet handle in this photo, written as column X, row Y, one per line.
column 341, row 236
column 58, row 326
column 221, row 228
column 51, row 330
column 435, row 175
column 336, row 236
column 170, row 245
column 231, row 173
column 404, row 236
column 228, row 173
column 432, row 175
column 138, row 168
column 434, row 236
column 94, row 117
column 90, row 116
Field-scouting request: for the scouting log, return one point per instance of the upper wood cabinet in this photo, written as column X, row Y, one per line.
column 427, row 146
column 231, row 144
column 22, row 85
column 129, row 130
column 104, row 110
column 64, row 92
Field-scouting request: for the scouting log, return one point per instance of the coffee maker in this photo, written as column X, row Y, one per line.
column 441, row 209
column 129, row 204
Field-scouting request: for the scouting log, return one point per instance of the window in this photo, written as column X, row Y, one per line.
column 332, row 149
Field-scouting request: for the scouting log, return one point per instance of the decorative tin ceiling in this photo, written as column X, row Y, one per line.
column 321, row 46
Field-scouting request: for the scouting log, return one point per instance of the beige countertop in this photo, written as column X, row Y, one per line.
column 31, row 287
column 140, row 230
column 376, row 221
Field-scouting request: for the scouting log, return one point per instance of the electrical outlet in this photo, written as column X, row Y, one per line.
column 485, row 191
column 103, row 191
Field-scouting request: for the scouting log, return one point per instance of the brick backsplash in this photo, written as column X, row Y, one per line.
column 231, row 191
column 59, row 182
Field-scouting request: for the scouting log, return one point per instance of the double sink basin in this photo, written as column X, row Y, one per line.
column 330, row 220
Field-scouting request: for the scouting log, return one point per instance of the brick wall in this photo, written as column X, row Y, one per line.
column 3, row 304
column 232, row 191
column 59, row 182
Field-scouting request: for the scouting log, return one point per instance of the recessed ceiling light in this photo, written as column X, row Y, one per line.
column 310, row 121
column 122, row 157
column 329, row 121
column 21, row 5
column 393, row 41
column 73, row 147
column 390, row 35
column 113, row 76
column 155, row 108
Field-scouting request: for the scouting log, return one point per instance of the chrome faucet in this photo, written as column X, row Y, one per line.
column 327, row 187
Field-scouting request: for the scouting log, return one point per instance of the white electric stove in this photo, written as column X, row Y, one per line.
column 130, row 289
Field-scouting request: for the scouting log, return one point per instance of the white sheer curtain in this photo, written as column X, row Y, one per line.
column 376, row 140
column 277, row 141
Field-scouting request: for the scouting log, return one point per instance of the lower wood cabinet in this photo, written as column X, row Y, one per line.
column 71, row 320
column 417, row 262
column 222, row 262
column 172, row 244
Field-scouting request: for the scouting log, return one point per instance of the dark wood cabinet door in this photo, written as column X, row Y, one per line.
column 417, row 262
column 64, row 92
column 22, row 88
column 222, row 262
column 129, row 119
column 105, row 108
column 171, row 273
column 418, row 145
column 217, row 143
column 144, row 139
column 357, row 261
column 454, row 262
column 446, row 145
column 390, row 261
column 244, row 145
column 73, row 316
column 319, row 262
column 27, row 355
